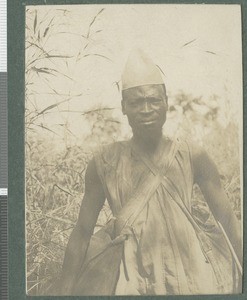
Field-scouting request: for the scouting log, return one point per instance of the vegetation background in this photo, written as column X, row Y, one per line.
column 64, row 125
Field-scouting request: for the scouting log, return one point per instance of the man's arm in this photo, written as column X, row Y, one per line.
column 207, row 177
column 92, row 203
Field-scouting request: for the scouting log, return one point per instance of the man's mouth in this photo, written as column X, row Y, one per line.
column 147, row 122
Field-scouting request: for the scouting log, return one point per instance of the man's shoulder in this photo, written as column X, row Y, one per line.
column 191, row 149
column 200, row 158
column 195, row 149
column 110, row 153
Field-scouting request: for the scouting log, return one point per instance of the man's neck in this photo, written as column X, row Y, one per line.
column 147, row 142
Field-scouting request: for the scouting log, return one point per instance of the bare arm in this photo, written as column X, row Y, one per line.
column 92, row 203
column 207, row 177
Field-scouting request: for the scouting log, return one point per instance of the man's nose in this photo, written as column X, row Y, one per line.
column 146, row 107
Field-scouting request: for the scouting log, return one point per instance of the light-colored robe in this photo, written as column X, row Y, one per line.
column 164, row 255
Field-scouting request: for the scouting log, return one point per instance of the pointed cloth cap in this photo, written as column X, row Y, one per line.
column 140, row 70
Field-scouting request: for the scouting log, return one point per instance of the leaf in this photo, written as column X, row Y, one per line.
column 39, row 47
column 62, row 189
column 58, row 56
column 55, row 91
column 35, row 21
column 94, row 19
column 48, row 108
column 49, row 71
column 98, row 31
column 161, row 70
column 70, row 132
column 186, row 44
column 211, row 52
column 50, row 22
column 56, row 104
column 46, row 30
column 117, row 85
column 44, row 127
column 85, row 47
column 47, row 55
column 96, row 54
column 64, row 75
column 42, row 70
column 84, row 36
column 97, row 110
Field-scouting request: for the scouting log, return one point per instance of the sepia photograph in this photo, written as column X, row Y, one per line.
column 133, row 149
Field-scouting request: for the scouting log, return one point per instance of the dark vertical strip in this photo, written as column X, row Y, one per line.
column 16, row 199
column 3, row 249
column 3, row 132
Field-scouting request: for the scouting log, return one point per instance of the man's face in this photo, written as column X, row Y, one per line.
column 145, row 107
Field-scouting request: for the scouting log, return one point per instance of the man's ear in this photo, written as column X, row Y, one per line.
column 123, row 103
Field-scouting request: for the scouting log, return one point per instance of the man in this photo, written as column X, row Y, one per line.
column 167, row 251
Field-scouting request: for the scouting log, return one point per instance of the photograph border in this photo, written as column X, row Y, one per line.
column 16, row 154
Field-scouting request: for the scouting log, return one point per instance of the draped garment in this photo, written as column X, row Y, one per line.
column 164, row 255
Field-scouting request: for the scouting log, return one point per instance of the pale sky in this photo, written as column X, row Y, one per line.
column 198, row 48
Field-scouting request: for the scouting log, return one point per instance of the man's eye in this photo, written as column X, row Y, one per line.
column 135, row 103
column 155, row 100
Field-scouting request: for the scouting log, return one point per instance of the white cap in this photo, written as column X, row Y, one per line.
column 140, row 70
